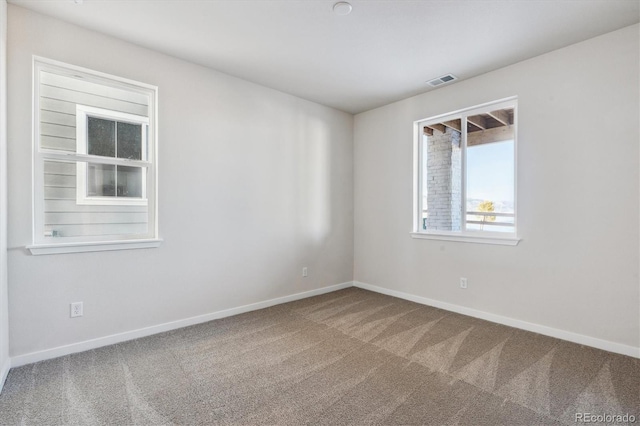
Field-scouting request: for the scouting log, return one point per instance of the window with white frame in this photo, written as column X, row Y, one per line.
column 465, row 175
column 116, row 136
column 94, row 161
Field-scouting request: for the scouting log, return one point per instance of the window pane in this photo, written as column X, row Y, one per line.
column 442, row 177
column 490, row 172
column 130, row 141
column 101, row 180
column 101, row 135
column 129, row 181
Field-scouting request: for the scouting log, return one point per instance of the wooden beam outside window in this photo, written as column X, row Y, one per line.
column 479, row 121
column 453, row 124
column 501, row 115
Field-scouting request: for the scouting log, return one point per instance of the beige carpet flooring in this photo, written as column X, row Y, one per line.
column 349, row 357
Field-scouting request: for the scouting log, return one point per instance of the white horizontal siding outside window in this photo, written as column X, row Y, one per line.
column 94, row 161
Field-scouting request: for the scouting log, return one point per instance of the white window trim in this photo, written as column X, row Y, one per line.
column 82, row 113
column 38, row 155
column 484, row 237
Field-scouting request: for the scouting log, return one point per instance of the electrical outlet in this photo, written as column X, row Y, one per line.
column 305, row 272
column 463, row 283
column 76, row 309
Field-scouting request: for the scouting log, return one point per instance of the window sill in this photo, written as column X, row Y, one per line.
column 40, row 249
column 480, row 239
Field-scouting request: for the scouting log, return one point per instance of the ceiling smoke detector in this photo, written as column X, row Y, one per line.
column 342, row 8
column 442, row 80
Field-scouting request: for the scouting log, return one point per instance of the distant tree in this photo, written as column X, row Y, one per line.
column 486, row 207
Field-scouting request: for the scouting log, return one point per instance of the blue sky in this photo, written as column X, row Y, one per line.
column 490, row 171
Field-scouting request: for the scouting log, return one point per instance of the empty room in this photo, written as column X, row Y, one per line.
column 294, row 212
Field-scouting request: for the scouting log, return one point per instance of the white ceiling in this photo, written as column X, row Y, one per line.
column 382, row 52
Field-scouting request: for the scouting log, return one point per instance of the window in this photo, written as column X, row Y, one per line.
column 118, row 137
column 465, row 175
column 94, row 161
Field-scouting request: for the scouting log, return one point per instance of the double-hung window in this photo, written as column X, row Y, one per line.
column 120, row 139
column 465, row 175
column 94, row 161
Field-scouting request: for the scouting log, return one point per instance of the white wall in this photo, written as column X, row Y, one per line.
column 576, row 268
column 4, row 315
column 254, row 185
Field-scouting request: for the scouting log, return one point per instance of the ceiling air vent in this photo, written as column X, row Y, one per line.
column 441, row 80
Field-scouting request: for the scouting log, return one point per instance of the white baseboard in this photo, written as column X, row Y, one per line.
column 29, row 358
column 32, row 357
column 524, row 325
column 4, row 372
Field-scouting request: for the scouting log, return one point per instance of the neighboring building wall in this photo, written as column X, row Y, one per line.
column 59, row 96
column 444, row 186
